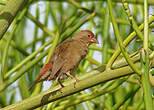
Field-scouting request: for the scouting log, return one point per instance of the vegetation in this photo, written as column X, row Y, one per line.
column 116, row 73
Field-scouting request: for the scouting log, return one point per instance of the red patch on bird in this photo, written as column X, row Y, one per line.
column 46, row 67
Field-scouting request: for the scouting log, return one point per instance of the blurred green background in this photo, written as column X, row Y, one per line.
column 40, row 25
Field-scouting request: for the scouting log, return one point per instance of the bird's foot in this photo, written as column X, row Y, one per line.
column 76, row 80
column 62, row 86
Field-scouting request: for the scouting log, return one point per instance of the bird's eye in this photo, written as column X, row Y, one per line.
column 88, row 35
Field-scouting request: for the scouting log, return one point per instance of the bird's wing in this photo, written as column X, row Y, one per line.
column 77, row 51
column 58, row 58
column 67, row 57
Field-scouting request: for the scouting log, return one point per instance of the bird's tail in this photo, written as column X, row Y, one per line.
column 43, row 75
column 33, row 84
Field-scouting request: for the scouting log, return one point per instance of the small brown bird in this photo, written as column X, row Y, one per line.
column 67, row 57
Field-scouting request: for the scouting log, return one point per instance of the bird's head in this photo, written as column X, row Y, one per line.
column 86, row 36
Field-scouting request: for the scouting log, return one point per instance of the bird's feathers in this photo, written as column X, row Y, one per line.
column 67, row 56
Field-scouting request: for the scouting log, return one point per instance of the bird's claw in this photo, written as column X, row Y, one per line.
column 76, row 80
column 62, row 86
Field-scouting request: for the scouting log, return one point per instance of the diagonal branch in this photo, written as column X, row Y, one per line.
column 54, row 93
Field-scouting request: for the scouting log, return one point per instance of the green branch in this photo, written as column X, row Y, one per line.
column 147, row 93
column 5, row 54
column 109, row 86
column 39, row 24
column 26, row 59
column 23, row 70
column 17, row 47
column 117, row 34
column 8, row 13
column 131, row 19
column 125, row 43
column 54, row 93
column 129, row 94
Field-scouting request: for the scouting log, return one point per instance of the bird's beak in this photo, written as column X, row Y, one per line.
column 93, row 40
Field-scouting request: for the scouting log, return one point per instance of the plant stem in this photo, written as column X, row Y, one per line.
column 26, row 59
column 8, row 13
column 125, row 43
column 54, row 93
column 147, row 93
column 117, row 34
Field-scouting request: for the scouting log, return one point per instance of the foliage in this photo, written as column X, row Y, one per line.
column 116, row 73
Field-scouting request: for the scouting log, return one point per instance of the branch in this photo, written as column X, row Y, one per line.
column 147, row 93
column 117, row 35
column 126, row 42
column 54, row 93
column 8, row 13
column 39, row 24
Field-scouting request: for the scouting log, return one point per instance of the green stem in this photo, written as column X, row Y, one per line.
column 94, row 47
column 8, row 13
column 31, row 43
column 93, row 61
column 36, row 29
column 54, row 93
column 131, row 19
column 17, row 47
column 39, row 24
column 128, row 96
column 146, row 30
column 47, row 7
column 23, row 70
column 117, row 34
column 77, row 5
column 5, row 54
column 109, row 86
column 52, row 48
column 105, row 37
column 125, row 43
column 26, row 60
column 147, row 93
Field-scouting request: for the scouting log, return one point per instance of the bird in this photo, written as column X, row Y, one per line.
column 66, row 58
